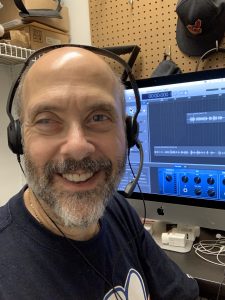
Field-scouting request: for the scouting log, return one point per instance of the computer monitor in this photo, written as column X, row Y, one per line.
column 182, row 130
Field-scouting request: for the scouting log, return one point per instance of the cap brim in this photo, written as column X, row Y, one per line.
column 199, row 44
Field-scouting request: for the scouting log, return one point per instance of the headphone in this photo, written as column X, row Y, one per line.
column 50, row 13
column 14, row 128
column 132, row 127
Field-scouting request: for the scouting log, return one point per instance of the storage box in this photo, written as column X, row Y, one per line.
column 9, row 14
column 35, row 36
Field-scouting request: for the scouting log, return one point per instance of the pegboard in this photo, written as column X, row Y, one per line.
column 149, row 24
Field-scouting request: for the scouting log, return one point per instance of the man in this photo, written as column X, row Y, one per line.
column 68, row 234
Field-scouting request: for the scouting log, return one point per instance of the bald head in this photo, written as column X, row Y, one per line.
column 67, row 60
column 69, row 63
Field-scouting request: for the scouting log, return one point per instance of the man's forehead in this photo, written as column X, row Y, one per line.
column 67, row 62
column 62, row 56
column 63, row 69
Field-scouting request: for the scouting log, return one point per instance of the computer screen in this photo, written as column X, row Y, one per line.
column 182, row 131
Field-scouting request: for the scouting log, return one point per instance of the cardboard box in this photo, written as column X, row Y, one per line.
column 36, row 36
column 9, row 14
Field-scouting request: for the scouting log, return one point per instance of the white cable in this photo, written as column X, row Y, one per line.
column 214, row 248
column 219, row 254
column 219, row 236
column 207, row 248
column 212, row 262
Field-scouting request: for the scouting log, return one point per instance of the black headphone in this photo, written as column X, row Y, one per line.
column 14, row 128
column 132, row 128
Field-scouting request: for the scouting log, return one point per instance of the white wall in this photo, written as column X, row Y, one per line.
column 10, row 175
column 79, row 21
column 11, row 178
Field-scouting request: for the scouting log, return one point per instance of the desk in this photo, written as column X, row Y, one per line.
column 209, row 276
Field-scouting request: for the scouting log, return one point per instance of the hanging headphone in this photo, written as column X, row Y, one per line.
column 49, row 13
column 14, row 128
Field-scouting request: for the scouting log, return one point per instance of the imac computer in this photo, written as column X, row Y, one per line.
column 182, row 131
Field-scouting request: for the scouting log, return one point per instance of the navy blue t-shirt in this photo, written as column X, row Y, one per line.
column 121, row 258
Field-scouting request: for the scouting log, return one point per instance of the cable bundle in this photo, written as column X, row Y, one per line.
column 215, row 249
column 212, row 248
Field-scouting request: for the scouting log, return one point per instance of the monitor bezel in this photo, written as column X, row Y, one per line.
column 178, row 78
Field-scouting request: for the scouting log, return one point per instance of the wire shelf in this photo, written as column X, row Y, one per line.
column 10, row 54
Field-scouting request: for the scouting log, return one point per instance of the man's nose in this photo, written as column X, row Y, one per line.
column 77, row 145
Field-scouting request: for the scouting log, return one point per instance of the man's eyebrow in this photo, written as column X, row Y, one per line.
column 38, row 108
column 101, row 106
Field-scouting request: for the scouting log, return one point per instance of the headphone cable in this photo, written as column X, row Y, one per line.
column 19, row 161
column 141, row 193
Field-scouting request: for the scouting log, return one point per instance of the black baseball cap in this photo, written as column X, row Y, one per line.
column 200, row 24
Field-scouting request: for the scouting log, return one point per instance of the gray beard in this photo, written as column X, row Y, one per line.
column 78, row 209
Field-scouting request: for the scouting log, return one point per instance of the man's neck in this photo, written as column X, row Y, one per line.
column 44, row 215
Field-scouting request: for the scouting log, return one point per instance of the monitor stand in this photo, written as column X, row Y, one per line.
column 178, row 238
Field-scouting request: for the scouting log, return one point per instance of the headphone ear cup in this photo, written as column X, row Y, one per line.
column 132, row 129
column 14, row 137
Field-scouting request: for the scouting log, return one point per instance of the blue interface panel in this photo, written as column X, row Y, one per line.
column 182, row 130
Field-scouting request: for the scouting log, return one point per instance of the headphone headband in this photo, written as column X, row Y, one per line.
column 93, row 49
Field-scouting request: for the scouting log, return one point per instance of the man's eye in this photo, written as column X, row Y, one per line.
column 47, row 125
column 99, row 118
column 44, row 121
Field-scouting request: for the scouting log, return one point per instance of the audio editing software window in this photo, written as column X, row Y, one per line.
column 182, row 130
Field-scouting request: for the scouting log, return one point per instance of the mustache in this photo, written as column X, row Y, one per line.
column 71, row 165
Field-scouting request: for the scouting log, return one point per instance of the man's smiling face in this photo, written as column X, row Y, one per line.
column 73, row 133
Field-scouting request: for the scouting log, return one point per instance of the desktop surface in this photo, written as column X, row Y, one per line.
column 209, row 276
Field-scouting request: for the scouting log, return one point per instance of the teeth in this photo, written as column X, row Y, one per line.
column 78, row 177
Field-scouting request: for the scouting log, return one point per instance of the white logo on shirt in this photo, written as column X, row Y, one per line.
column 133, row 289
